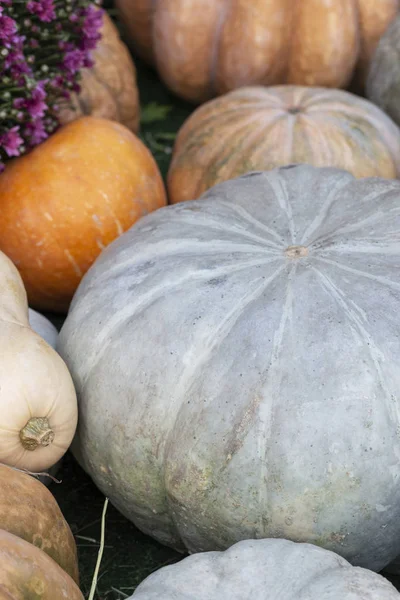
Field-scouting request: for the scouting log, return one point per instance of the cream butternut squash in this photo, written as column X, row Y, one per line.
column 38, row 407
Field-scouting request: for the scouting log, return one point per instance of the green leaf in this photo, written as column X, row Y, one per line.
column 154, row 112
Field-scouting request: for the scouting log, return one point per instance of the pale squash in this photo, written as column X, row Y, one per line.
column 237, row 364
column 258, row 128
column 204, row 48
column 30, row 511
column 265, row 570
column 27, row 573
column 38, row 406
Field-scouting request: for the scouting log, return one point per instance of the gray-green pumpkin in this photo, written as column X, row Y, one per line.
column 237, row 365
column 265, row 570
column 383, row 82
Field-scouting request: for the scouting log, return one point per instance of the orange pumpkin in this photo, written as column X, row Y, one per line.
column 29, row 511
column 65, row 201
column 108, row 89
column 27, row 573
column 257, row 128
column 204, row 48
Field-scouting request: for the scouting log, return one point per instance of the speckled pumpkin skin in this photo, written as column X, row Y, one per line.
column 27, row 573
column 30, row 511
column 236, row 360
column 64, row 202
column 383, row 83
column 108, row 89
column 259, row 128
column 265, row 570
column 204, row 48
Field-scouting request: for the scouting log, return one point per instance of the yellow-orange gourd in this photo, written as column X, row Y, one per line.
column 65, row 201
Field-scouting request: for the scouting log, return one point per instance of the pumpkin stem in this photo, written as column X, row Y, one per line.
column 37, row 432
column 296, row 251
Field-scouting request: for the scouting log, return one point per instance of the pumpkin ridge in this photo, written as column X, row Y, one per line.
column 117, row 323
column 246, row 216
column 355, row 322
column 254, row 137
column 212, row 88
column 266, row 410
column 383, row 280
column 214, row 340
column 323, row 212
column 351, row 227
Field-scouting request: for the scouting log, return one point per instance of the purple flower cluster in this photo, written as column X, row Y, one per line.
column 44, row 45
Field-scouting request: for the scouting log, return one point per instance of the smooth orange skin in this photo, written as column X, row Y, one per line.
column 205, row 48
column 261, row 128
column 27, row 573
column 29, row 511
column 65, row 201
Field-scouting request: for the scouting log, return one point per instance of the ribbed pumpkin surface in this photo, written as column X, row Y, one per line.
column 265, row 570
column 204, row 48
column 237, row 362
column 258, row 128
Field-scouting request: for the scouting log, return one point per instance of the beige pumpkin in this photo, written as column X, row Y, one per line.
column 203, row 48
column 258, row 128
column 38, row 406
column 108, row 89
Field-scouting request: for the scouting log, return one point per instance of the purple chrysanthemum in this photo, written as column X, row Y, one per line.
column 33, row 75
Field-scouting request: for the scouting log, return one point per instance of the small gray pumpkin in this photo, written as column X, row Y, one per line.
column 265, row 570
column 43, row 327
column 237, row 365
column 383, row 82
column 49, row 333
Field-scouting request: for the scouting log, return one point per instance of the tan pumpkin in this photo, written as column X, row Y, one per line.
column 257, row 128
column 29, row 511
column 65, row 201
column 38, row 406
column 108, row 89
column 204, row 48
column 27, row 573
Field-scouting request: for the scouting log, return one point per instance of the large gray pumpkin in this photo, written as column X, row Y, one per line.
column 237, row 365
column 265, row 570
column 383, row 82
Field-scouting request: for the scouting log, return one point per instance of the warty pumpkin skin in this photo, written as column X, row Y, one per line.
column 265, row 570
column 249, row 341
column 108, row 89
column 64, row 202
column 383, row 83
column 38, row 406
column 259, row 128
column 27, row 573
column 29, row 511
column 202, row 49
